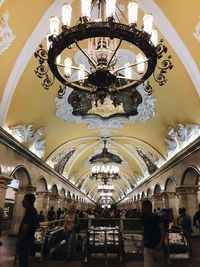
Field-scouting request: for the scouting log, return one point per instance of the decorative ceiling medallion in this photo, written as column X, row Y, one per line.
column 144, row 111
column 196, row 34
column 6, row 34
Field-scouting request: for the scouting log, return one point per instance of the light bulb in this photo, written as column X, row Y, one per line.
column 85, row 7
column 132, row 12
column 67, row 68
column 148, row 23
column 66, row 14
column 127, row 71
column 81, row 72
column 140, row 62
column 110, row 8
column 54, row 25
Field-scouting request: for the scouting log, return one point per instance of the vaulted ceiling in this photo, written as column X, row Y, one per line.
column 67, row 142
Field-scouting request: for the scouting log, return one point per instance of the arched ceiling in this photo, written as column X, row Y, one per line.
column 70, row 141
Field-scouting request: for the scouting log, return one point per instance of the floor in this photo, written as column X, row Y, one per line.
column 7, row 252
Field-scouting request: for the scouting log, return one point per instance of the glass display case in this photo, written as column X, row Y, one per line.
column 178, row 246
column 105, row 241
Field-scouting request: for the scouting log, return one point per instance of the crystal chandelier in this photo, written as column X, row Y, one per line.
column 103, row 76
column 105, row 166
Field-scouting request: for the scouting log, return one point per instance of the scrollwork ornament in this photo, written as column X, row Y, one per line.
column 42, row 70
column 164, row 66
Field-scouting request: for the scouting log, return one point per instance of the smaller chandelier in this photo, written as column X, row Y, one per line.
column 105, row 166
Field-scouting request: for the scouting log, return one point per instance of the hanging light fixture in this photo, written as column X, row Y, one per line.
column 105, row 166
column 104, row 35
column 99, row 35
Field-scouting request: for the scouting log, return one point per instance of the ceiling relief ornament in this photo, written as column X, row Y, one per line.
column 196, row 34
column 25, row 135
column 61, row 162
column 149, row 159
column 104, row 125
column 6, row 34
column 62, row 159
column 179, row 139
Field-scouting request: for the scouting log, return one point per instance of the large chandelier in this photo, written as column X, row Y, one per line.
column 105, row 166
column 103, row 78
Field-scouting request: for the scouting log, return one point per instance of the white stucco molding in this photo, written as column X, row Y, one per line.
column 168, row 31
column 26, row 53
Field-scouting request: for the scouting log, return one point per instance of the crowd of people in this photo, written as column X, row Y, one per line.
column 155, row 225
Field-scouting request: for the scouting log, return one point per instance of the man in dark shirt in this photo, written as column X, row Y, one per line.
column 154, row 235
column 27, row 230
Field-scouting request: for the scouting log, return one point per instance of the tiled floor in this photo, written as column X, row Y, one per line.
column 7, row 252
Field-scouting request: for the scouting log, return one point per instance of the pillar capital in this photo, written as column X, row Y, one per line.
column 25, row 189
column 43, row 193
column 187, row 189
column 167, row 194
column 4, row 181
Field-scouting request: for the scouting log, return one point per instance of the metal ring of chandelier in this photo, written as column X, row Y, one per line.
column 110, row 29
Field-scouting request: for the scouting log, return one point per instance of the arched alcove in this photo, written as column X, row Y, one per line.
column 170, row 185
column 157, row 189
column 41, row 185
column 54, row 190
column 62, row 192
column 149, row 193
column 190, row 176
column 69, row 195
column 143, row 195
column 21, row 174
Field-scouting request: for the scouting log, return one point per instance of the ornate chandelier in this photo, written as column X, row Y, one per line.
column 113, row 57
column 105, row 166
column 102, row 78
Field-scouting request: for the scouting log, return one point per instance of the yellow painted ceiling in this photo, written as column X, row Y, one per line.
column 25, row 102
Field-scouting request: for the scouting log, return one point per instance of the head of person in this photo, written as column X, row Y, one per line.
column 72, row 209
column 147, row 207
column 28, row 200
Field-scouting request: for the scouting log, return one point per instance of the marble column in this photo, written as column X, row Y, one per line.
column 4, row 181
column 171, row 201
column 157, row 201
column 18, row 210
column 188, row 198
column 42, row 202
column 54, row 201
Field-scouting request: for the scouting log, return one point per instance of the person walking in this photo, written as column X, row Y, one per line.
column 70, row 225
column 154, row 236
column 27, row 230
